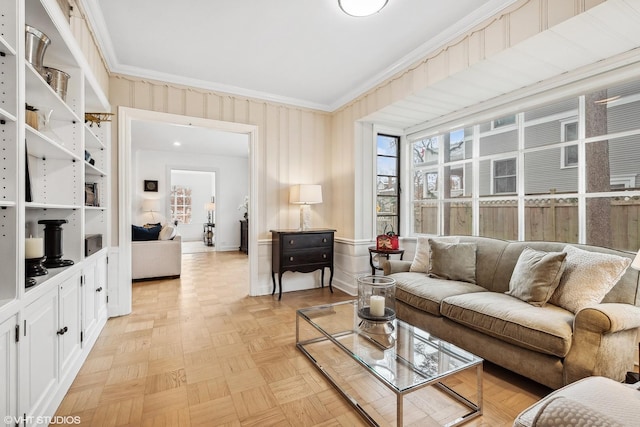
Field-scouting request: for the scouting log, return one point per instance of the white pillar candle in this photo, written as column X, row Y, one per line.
column 377, row 305
column 34, row 247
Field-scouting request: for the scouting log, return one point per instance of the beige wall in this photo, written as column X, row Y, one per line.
column 84, row 36
column 292, row 142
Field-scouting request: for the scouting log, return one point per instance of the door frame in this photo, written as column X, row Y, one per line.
column 126, row 115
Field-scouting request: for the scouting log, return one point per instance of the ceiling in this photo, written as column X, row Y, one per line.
column 158, row 136
column 301, row 52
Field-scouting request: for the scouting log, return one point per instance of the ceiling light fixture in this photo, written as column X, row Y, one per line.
column 177, row 143
column 360, row 8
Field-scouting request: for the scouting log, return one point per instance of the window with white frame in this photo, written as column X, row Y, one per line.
column 526, row 179
column 503, row 121
column 504, row 176
column 569, row 132
column 180, row 204
column 387, row 184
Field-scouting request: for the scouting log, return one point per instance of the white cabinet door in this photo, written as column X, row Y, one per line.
column 69, row 329
column 89, row 321
column 39, row 353
column 101, row 288
column 8, row 368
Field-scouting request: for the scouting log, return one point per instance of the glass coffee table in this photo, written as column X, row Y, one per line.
column 358, row 364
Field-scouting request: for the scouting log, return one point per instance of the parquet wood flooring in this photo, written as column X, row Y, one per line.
column 197, row 351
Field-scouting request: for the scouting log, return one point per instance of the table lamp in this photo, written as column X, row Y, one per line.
column 210, row 207
column 305, row 195
column 151, row 206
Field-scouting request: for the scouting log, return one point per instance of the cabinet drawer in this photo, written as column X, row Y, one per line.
column 306, row 256
column 298, row 241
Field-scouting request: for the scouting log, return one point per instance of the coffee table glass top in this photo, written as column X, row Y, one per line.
column 416, row 358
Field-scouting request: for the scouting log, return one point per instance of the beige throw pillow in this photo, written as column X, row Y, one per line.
column 536, row 275
column 453, row 261
column 168, row 232
column 420, row 263
column 587, row 278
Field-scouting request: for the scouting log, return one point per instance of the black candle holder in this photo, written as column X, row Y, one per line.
column 34, row 267
column 53, row 243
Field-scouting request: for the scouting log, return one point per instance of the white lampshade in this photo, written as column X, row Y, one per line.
column 151, row 205
column 305, row 194
column 636, row 262
column 361, row 8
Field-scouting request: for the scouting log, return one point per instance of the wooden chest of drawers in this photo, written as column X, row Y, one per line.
column 302, row 251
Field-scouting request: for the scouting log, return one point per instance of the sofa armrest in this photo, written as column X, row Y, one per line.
column 609, row 318
column 604, row 342
column 395, row 266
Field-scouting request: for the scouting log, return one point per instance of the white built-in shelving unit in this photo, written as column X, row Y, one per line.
column 47, row 330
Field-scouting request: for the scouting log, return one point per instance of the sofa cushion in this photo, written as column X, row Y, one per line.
column 420, row 263
column 453, row 261
column 426, row 293
column 536, row 275
column 140, row 234
column 587, row 278
column 167, row 232
column 544, row 329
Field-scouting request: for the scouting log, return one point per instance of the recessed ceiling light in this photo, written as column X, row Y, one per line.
column 177, row 143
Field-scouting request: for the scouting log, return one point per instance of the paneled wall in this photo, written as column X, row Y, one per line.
column 84, row 35
column 293, row 143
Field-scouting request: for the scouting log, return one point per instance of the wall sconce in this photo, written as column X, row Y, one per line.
column 305, row 195
column 210, row 207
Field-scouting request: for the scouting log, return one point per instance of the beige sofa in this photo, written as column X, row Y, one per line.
column 156, row 259
column 548, row 344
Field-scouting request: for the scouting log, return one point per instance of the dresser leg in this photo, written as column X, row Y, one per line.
column 273, row 279
column 330, row 279
column 322, row 277
column 280, row 285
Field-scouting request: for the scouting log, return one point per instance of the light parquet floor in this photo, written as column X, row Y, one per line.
column 197, row 351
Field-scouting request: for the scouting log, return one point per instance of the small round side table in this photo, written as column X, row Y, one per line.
column 384, row 253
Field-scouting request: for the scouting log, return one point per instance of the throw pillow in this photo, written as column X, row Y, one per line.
column 536, row 275
column 167, row 232
column 157, row 224
column 453, row 261
column 420, row 263
column 141, row 234
column 587, row 278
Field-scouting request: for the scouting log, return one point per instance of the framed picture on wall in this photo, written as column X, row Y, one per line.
column 91, row 194
column 150, row 185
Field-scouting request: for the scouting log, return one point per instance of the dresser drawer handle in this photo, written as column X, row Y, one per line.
column 324, row 256
column 290, row 258
column 324, row 240
column 291, row 242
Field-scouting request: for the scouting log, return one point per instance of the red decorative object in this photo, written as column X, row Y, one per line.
column 387, row 241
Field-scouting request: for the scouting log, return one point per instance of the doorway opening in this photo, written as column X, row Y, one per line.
column 129, row 178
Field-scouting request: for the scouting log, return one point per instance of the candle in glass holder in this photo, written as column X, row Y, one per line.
column 377, row 305
column 34, row 247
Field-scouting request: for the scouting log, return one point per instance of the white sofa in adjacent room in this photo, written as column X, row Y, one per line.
column 161, row 258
